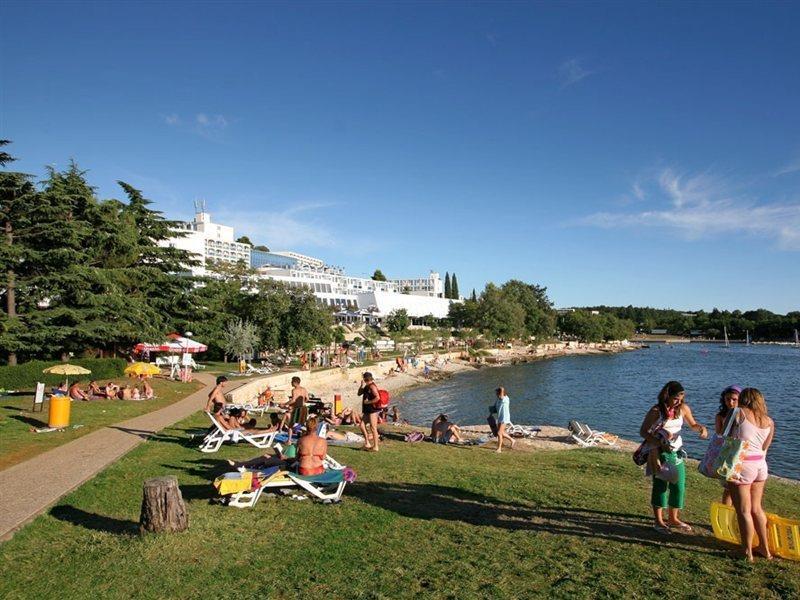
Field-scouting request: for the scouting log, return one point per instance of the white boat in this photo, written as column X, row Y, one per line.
column 725, row 331
column 747, row 338
column 796, row 339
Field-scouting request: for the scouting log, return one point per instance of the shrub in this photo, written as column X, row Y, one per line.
column 25, row 376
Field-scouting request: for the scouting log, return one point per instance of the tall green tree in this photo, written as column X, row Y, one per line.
column 499, row 316
column 540, row 318
column 448, row 288
column 378, row 275
column 18, row 198
column 398, row 320
column 454, row 287
column 474, row 296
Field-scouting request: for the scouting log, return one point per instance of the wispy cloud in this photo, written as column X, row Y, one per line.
column 703, row 205
column 792, row 167
column 298, row 226
column 209, row 126
column 572, row 71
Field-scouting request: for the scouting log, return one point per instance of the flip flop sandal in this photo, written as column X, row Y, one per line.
column 662, row 529
column 685, row 527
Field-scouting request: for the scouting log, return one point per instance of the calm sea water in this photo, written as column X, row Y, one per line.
column 613, row 392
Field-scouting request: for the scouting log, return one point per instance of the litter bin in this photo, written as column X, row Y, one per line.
column 59, row 411
column 337, row 404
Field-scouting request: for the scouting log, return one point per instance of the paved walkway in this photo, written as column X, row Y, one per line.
column 23, row 495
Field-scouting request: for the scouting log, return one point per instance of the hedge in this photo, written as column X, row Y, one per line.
column 25, row 376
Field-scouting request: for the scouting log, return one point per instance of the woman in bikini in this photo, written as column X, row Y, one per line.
column 728, row 400
column 311, row 450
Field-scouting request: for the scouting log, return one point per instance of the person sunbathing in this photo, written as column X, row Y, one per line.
column 94, row 390
column 284, row 459
column 311, row 450
column 347, row 436
column 147, row 390
column 345, row 417
column 443, row 431
column 76, row 393
column 111, row 389
column 125, row 393
column 135, row 394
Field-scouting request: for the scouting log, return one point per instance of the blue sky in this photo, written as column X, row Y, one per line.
column 618, row 153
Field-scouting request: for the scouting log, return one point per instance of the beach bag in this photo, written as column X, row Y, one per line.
column 723, row 459
column 640, row 454
column 414, row 436
column 383, row 399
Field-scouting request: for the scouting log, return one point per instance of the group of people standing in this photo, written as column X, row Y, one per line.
column 746, row 410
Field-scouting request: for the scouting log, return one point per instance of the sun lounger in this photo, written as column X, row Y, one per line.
column 218, row 436
column 522, row 431
column 586, row 437
column 249, row 485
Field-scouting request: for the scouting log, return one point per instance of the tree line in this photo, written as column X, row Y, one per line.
column 86, row 276
column 761, row 324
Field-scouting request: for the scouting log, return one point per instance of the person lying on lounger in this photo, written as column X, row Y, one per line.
column 284, row 459
column 94, row 390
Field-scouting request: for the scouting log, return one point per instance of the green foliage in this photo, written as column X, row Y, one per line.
column 448, row 287
column 239, row 338
column 474, row 296
column 25, row 376
column 261, row 247
column 585, row 326
column 378, row 275
column 762, row 324
column 244, row 240
column 398, row 320
column 515, row 310
column 454, row 288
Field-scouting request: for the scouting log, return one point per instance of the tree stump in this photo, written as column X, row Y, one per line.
column 162, row 506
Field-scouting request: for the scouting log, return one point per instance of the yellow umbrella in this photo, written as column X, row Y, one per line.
column 142, row 368
column 66, row 369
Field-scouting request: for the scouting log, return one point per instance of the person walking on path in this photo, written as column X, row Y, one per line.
column 662, row 428
column 502, row 411
column 370, row 395
column 755, row 427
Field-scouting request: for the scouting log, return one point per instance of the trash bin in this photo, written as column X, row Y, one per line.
column 337, row 404
column 59, row 411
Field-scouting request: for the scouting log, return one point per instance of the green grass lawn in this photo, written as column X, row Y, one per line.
column 18, row 442
column 421, row 521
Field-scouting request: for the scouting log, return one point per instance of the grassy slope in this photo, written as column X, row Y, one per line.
column 422, row 519
column 18, row 443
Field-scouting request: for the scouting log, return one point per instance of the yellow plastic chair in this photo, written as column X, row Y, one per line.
column 783, row 534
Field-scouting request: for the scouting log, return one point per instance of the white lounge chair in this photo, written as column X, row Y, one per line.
column 218, row 436
column 326, row 487
column 522, row 431
column 586, row 437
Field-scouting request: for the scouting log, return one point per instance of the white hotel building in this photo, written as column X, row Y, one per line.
column 353, row 297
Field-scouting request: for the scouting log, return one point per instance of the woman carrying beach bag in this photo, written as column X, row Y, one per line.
column 671, row 411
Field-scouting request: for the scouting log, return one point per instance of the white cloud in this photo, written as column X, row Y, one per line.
column 295, row 227
column 572, row 71
column 792, row 167
column 702, row 205
column 209, row 126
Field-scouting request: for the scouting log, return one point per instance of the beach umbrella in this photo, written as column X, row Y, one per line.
column 66, row 369
column 142, row 368
column 174, row 343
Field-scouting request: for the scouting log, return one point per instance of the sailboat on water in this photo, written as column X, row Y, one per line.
column 725, row 331
column 796, row 339
column 747, row 338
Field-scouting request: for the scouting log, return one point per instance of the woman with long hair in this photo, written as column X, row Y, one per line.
column 728, row 400
column 662, row 429
column 754, row 426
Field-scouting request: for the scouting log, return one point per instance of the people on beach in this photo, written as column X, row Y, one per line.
column 754, row 426
column 443, row 431
column 370, row 398
column 94, row 390
column 502, row 415
column 147, row 389
column 76, row 393
column 111, row 389
column 661, row 428
column 728, row 400
column 125, row 392
column 216, row 397
column 311, row 450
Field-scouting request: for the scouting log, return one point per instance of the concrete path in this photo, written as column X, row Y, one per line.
column 23, row 495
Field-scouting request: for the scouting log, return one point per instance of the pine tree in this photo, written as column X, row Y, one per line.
column 474, row 296
column 454, row 288
column 18, row 197
column 447, row 287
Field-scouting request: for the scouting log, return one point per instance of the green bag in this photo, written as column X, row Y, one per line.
column 725, row 454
